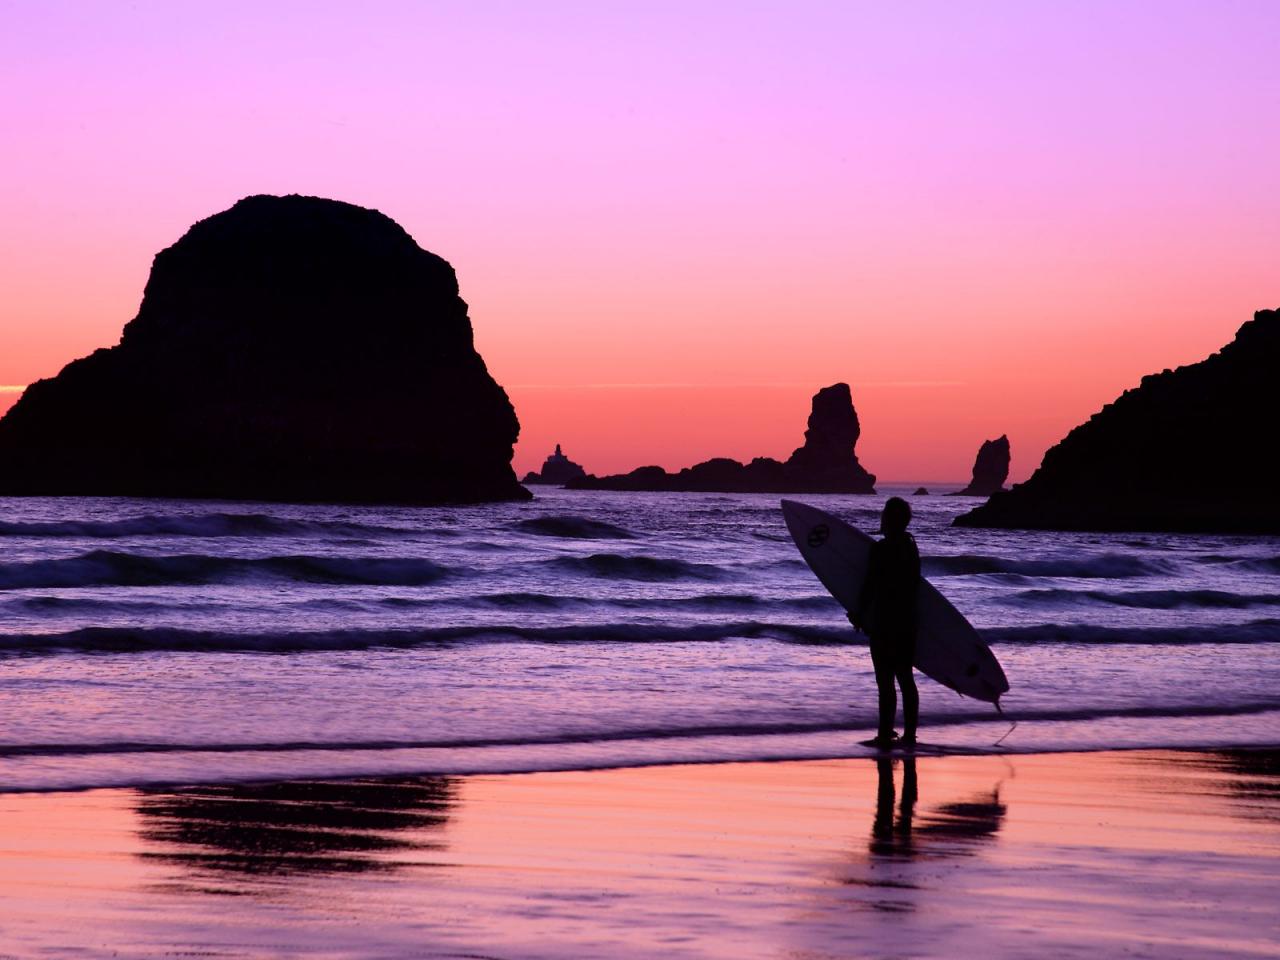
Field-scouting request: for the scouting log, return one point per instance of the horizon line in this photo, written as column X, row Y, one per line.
column 910, row 384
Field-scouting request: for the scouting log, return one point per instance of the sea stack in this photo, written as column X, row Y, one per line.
column 826, row 463
column 990, row 469
column 289, row 348
column 557, row 468
column 1189, row 450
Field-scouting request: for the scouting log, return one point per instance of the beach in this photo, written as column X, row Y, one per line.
column 1135, row 854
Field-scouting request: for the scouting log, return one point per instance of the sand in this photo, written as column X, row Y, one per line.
column 1140, row 854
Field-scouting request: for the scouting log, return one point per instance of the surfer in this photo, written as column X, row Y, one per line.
column 886, row 612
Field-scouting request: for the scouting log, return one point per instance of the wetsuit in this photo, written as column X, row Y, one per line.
column 887, row 611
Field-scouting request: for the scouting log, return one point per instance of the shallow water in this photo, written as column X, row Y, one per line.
column 176, row 641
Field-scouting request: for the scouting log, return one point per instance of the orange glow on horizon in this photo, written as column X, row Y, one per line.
column 1020, row 209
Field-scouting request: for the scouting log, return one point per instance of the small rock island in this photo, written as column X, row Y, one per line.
column 826, row 463
column 557, row 468
column 290, row 348
column 1188, row 450
column 990, row 469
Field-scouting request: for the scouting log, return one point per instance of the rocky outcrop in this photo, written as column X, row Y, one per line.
column 921, row 492
column 289, row 348
column 826, row 463
column 557, row 468
column 990, row 469
column 1190, row 449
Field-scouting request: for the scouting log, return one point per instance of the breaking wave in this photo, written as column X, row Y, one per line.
column 1105, row 566
column 197, row 525
column 638, row 567
column 127, row 639
column 1258, row 631
column 1150, row 599
column 574, row 528
column 107, row 568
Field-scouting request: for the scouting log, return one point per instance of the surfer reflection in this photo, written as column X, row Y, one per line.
column 891, row 838
column 886, row 612
column 951, row 829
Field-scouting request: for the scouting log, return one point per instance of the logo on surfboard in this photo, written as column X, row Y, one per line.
column 818, row 535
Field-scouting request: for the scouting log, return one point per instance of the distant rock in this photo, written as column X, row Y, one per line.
column 990, row 469
column 557, row 468
column 289, row 348
column 1191, row 449
column 826, row 463
column 921, row 492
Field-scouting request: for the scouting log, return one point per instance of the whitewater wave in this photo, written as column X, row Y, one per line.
column 128, row 639
column 210, row 525
column 637, row 567
column 1257, row 631
column 1104, row 566
column 108, row 568
column 634, row 734
column 573, row 528
column 141, row 640
column 1149, row 599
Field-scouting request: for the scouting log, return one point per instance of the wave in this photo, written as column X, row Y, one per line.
column 571, row 527
column 1150, row 599
column 129, row 639
column 637, row 567
column 196, row 525
column 1258, row 564
column 147, row 639
column 1258, row 631
column 1104, row 566
column 106, row 568
column 936, row 719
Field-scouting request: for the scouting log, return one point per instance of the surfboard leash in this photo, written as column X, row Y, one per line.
column 1013, row 724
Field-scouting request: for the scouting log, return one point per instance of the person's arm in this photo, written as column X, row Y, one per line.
column 870, row 586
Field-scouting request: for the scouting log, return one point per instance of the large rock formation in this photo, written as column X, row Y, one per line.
column 1190, row 449
column 290, row 348
column 557, row 468
column 990, row 469
column 825, row 464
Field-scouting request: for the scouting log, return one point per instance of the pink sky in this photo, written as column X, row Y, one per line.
column 675, row 221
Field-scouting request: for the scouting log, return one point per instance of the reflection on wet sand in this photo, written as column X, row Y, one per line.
column 901, row 836
column 1253, row 777
column 951, row 829
column 273, row 829
column 1163, row 855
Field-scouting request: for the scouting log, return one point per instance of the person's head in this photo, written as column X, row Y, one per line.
column 896, row 516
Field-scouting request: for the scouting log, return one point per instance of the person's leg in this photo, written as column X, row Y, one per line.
column 910, row 697
column 882, row 662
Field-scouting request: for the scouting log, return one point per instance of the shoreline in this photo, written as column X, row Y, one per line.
column 1151, row 852
column 924, row 751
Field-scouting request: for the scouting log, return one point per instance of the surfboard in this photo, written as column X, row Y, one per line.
column 948, row 648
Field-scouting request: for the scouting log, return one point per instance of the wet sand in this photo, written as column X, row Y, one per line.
column 1143, row 854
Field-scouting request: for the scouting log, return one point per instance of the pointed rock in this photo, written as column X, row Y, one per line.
column 826, row 463
column 990, row 469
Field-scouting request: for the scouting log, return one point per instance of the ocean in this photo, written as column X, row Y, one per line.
column 166, row 642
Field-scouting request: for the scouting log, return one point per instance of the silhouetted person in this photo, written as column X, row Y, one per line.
column 887, row 613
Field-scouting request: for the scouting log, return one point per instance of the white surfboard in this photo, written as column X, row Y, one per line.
column 948, row 648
